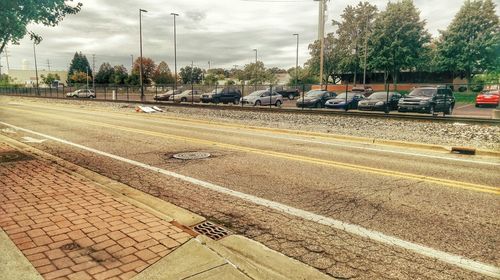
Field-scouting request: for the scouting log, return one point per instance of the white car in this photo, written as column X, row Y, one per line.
column 263, row 97
column 82, row 93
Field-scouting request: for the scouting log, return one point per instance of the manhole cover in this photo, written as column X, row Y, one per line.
column 211, row 230
column 191, row 155
column 6, row 157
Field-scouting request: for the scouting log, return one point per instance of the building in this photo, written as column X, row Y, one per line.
column 28, row 77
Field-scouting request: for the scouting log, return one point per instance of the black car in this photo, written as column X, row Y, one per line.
column 339, row 102
column 315, row 99
column 224, row 95
column 428, row 99
column 378, row 102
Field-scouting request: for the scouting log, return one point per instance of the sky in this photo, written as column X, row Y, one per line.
column 224, row 32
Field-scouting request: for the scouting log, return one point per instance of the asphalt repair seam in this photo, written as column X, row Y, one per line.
column 456, row 260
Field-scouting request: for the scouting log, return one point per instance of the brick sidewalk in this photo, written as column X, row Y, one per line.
column 68, row 228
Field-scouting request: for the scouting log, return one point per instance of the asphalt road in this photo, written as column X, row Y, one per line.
column 442, row 202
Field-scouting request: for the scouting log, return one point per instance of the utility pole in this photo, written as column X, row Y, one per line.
column 93, row 72
column 140, row 36
column 175, row 48
column 48, row 64
column 132, row 64
column 209, row 64
column 35, row 42
column 87, row 78
column 297, row 61
column 7, row 58
column 321, row 35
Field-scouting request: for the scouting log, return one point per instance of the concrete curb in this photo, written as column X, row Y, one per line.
column 13, row 264
column 245, row 258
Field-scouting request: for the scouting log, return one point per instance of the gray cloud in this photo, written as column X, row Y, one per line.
column 222, row 31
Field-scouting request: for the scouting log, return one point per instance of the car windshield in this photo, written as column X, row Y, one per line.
column 257, row 93
column 315, row 93
column 349, row 95
column 187, row 91
column 380, row 95
column 219, row 90
column 423, row 92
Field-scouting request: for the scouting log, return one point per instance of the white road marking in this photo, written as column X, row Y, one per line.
column 33, row 140
column 457, row 260
column 9, row 131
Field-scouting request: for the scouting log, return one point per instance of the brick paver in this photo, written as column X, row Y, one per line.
column 70, row 229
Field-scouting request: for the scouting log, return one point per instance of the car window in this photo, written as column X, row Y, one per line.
column 423, row 92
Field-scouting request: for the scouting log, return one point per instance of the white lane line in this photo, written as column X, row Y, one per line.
column 457, row 260
column 264, row 134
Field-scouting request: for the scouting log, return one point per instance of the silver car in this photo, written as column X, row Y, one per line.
column 263, row 97
column 82, row 93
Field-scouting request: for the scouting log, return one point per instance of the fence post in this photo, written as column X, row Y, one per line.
column 242, row 93
column 270, row 96
column 303, row 95
column 127, row 93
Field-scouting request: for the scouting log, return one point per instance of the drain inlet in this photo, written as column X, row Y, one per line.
column 212, row 230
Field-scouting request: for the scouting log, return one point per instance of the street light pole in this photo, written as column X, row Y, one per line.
column 255, row 69
column 175, row 49
column 297, row 61
column 256, row 58
column 141, row 66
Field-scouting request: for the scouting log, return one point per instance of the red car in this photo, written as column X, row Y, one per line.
column 491, row 97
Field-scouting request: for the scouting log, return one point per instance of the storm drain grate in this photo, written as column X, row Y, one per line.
column 191, row 155
column 212, row 230
column 6, row 157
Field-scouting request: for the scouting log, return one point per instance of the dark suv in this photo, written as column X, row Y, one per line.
column 224, row 95
column 428, row 99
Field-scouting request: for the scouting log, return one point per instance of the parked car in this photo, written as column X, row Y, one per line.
column 82, row 93
column 339, row 102
column 287, row 92
column 365, row 90
column 166, row 96
column 378, row 102
column 225, row 95
column 315, row 99
column 488, row 98
column 428, row 99
column 263, row 97
column 188, row 96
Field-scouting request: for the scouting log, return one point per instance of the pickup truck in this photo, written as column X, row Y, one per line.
column 287, row 92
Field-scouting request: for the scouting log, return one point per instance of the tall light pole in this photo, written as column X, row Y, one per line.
column 175, row 49
column 93, row 72
column 140, row 66
column 256, row 53
column 132, row 65
column 255, row 68
column 36, row 40
column 297, row 61
column 321, row 37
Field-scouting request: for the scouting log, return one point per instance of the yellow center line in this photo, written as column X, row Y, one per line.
column 310, row 160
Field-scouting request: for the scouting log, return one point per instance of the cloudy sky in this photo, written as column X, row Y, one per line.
column 222, row 31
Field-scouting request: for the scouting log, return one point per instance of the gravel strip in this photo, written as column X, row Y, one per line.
column 447, row 134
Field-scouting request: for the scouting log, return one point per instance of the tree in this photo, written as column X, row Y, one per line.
column 471, row 43
column 212, row 79
column 187, row 73
column 303, row 76
column 105, row 74
column 333, row 56
column 257, row 73
column 50, row 78
column 79, row 63
column 148, row 69
column 163, row 75
column 5, row 80
column 16, row 15
column 80, row 77
column 120, row 75
column 399, row 39
column 352, row 33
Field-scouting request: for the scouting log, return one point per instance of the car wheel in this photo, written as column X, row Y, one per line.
column 477, row 105
column 257, row 103
column 92, row 96
column 216, row 100
column 449, row 111
column 184, row 99
column 291, row 96
column 278, row 103
column 236, row 101
column 318, row 105
column 432, row 110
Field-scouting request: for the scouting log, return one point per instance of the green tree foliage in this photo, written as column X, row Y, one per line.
column 304, row 76
column 163, row 75
column 120, row 75
column 256, row 73
column 106, row 74
column 15, row 15
column 187, row 73
column 399, row 39
column 352, row 35
column 148, row 70
column 333, row 56
column 5, row 80
column 212, row 79
column 79, row 63
column 50, row 78
column 471, row 43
